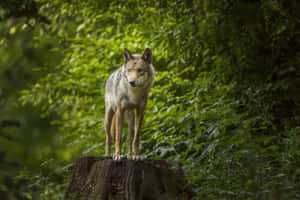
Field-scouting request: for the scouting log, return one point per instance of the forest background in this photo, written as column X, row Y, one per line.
column 224, row 106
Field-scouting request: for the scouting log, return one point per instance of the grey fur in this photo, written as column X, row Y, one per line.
column 121, row 99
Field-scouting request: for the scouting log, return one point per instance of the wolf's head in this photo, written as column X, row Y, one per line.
column 137, row 68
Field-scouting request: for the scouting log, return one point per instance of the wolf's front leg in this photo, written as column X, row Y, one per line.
column 138, row 124
column 130, row 118
column 119, row 125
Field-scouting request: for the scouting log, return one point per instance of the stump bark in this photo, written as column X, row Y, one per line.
column 100, row 178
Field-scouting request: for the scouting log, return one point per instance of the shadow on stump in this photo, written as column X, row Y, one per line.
column 99, row 178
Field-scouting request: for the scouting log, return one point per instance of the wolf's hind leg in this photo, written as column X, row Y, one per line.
column 113, row 128
column 107, row 124
column 119, row 125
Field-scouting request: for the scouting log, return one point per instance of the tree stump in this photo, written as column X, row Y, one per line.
column 99, row 178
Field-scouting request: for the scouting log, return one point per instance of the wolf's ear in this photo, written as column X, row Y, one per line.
column 127, row 55
column 147, row 56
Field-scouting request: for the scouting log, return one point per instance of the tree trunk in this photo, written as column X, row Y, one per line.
column 99, row 178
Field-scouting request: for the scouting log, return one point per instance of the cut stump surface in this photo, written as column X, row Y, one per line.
column 100, row 178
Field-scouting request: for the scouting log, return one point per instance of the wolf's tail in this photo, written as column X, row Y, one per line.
column 113, row 127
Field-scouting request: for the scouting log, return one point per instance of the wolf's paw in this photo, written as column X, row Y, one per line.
column 136, row 157
column 118, row 157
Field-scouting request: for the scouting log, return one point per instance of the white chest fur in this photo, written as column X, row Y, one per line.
column 136, row 95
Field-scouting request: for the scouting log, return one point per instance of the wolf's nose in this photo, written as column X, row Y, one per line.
column 132, row 83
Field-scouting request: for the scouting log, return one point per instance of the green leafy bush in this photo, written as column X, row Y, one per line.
column 224, row 106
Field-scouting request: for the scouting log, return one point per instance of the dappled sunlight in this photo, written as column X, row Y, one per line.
column 224, row 106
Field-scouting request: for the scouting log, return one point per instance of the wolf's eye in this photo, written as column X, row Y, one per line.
column 140, row 70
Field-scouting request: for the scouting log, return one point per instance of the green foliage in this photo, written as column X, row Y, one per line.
column 224, row 107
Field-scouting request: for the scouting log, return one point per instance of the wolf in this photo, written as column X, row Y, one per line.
column 126, row 94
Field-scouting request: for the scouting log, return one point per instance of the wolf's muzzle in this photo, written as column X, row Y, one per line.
column 132, row 83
